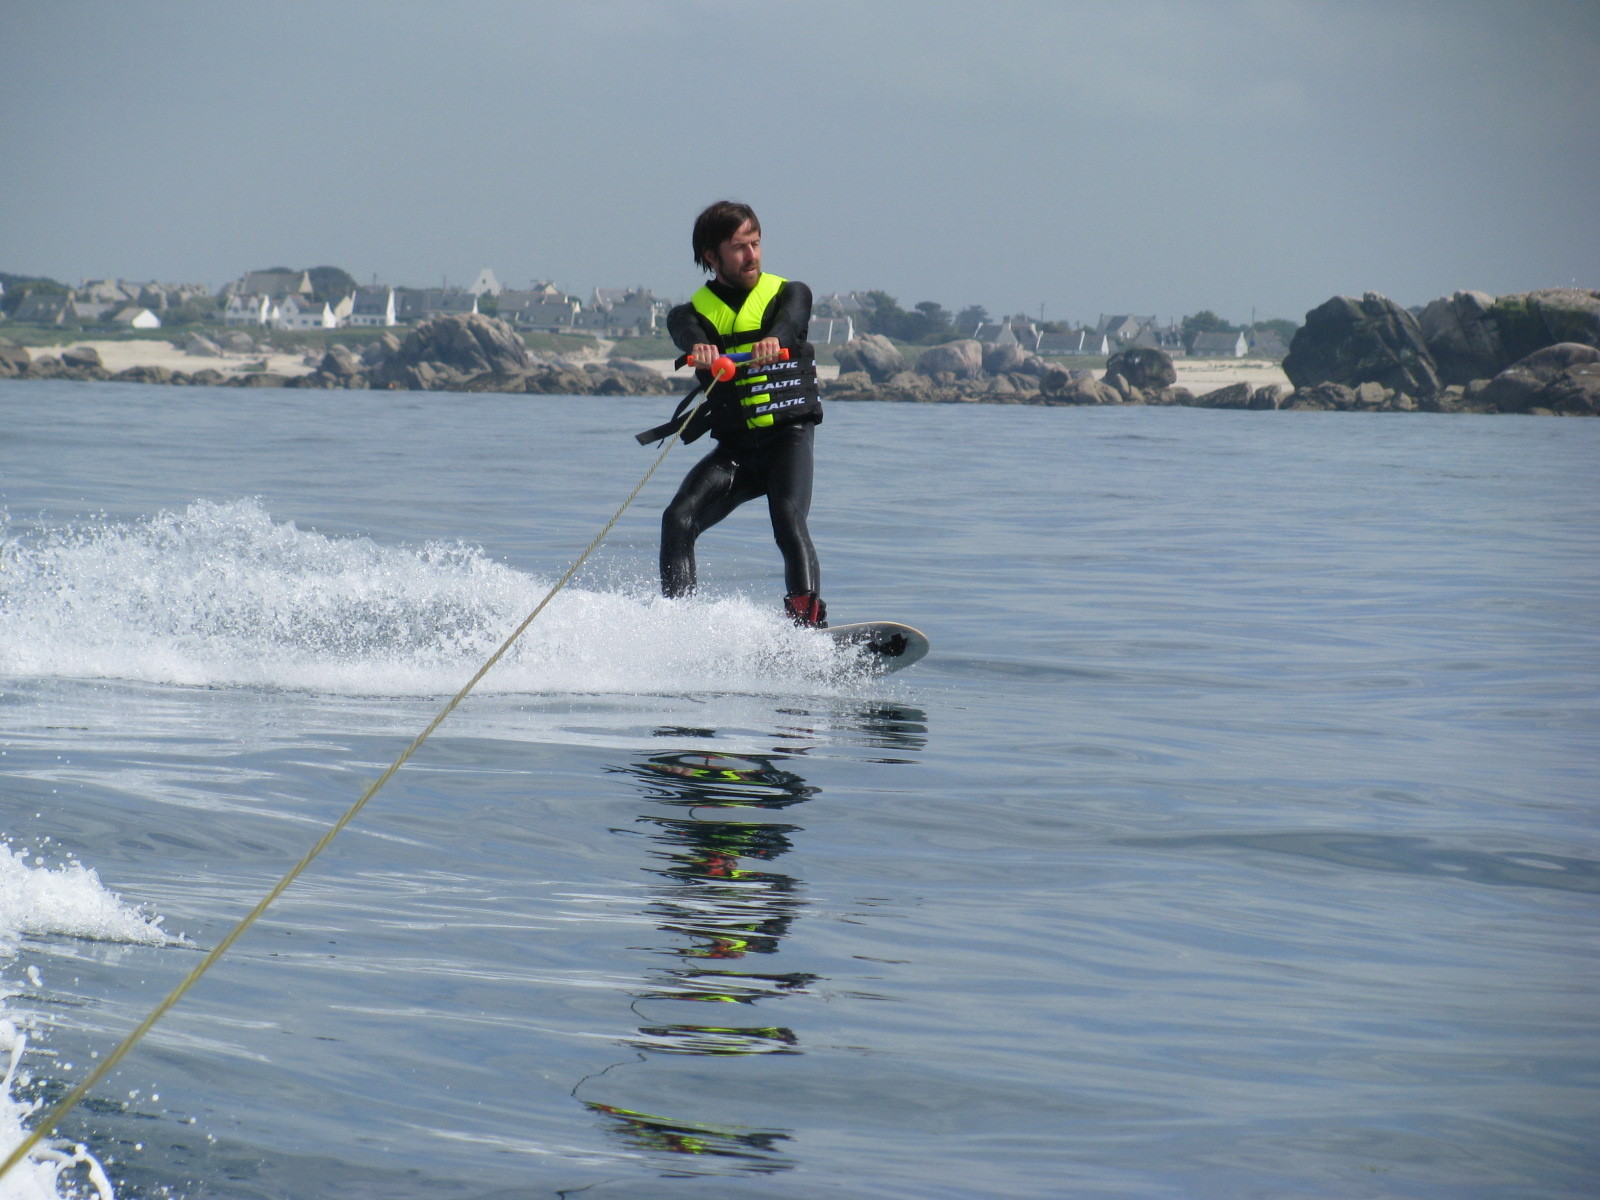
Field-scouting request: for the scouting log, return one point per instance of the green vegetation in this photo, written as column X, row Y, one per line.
column 1204, row 321
column 1285, row 329
column 658, row 346
column 927, row 323
column 19, row 286
column 559, row 343
column 331, row 283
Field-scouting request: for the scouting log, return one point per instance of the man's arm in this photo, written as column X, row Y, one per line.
column 791, row 318
column 687, row 329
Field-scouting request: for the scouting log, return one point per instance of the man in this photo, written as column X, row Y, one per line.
column 763, row 419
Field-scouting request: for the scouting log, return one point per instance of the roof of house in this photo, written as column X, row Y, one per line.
column 1215, row 343
column 44, row 308
column 275, row 283
column 372, row 301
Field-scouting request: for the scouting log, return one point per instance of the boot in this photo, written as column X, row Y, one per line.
column 806, row 610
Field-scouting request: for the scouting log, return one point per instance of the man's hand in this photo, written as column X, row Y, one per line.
column 765, row 351
column 704, row 355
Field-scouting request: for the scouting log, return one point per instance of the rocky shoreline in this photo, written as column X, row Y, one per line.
column 457, row 354
column 1534, row 353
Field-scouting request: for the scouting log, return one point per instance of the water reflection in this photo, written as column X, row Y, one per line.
column 718, row 897
column 648, row 1132
column 717, row 826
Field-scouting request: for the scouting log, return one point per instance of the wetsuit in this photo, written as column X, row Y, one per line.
column 772, row 460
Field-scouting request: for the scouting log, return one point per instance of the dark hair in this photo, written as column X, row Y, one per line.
column 716, row 225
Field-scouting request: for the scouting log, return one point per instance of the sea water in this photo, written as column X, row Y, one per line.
column 1237, row 838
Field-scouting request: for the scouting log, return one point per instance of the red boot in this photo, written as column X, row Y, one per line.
column 806, row 610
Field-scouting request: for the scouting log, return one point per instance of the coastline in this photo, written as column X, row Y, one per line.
column 1199, row 375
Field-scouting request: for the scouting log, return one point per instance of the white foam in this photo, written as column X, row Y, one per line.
column 222, row 595
column 68, row 901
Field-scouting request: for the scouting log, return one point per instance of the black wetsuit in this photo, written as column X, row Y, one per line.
column 775, row 463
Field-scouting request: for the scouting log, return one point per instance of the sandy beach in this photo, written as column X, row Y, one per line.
column 1200, row 375
column 120, row 355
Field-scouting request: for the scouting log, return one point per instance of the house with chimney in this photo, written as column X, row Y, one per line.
column 421, row 304
column 372, row 307
column 302, row 312
column 542, row 308
column 1220, row 345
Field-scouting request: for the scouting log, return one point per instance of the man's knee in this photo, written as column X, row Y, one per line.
column 678, row 522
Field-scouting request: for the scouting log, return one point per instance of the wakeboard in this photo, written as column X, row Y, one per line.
column 881, row 646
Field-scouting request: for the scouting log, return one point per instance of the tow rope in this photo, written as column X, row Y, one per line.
column 44, row 1128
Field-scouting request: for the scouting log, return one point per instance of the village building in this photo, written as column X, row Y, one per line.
column 135, row 316
column 243, row 309
column 840, row 304
column 46, row 308
column 486, row 284
column 832, row 331
column 1265, row 343
column 1220, row 345
column 618, row 312
column 372, row 307
column 996, row 333
column 1073, row 341
column 420, row 304
column 302, row 312
column 272, row 284
column 543, row 309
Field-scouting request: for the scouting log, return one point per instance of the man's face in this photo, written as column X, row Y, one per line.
column 737, row 261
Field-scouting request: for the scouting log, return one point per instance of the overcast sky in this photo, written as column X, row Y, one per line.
column 1156, row 157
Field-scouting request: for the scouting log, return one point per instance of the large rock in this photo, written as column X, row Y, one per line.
column 1576, row 393
column 1144, row 367
column 1371, row 340
column 151, row 374
column 380, row 350
column 236, row 341
column 1530, row 321
column 14, row 359
column 872, row 353
column 998, row 360
column 962, row 360
column 1061, row 386
column 199, row 345
column 1234, row 395
column 1320, row 397
column 340, row 362
column 1463, row 337
column 469, row 344
column 81, row 356
column 1520, row 386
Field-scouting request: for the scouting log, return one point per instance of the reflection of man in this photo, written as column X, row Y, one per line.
column 763, row 420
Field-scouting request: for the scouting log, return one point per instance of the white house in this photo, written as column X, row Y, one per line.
column 372, row 306
column 1220, row 345
column 831, row 331
column 135, row 317
column 1074, row 341
column 302, row 312
column 248, row 310
column 486, row 284
column 542, row 308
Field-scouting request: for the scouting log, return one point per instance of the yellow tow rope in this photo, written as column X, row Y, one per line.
column 43, row 1129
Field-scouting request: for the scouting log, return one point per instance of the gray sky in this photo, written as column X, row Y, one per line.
column 1159, row 157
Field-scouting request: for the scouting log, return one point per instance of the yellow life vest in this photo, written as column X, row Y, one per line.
column 782, row 391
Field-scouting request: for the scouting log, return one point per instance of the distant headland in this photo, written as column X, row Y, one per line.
column 1536, row 352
